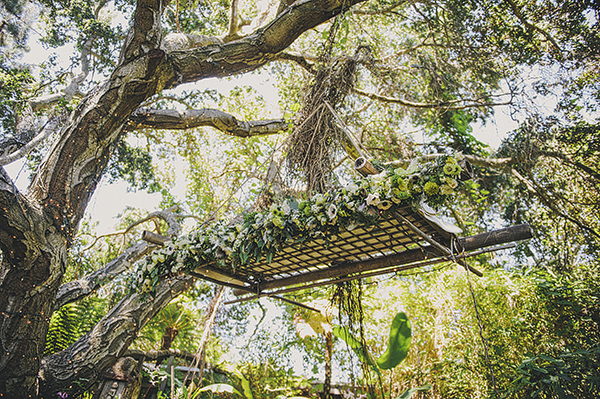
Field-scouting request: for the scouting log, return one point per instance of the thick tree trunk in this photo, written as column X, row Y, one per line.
column 34, row 254
column 36, row 231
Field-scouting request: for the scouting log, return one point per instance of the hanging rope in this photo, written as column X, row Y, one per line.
column 455, row 250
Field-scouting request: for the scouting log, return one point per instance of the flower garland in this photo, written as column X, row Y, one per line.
column 262, row 234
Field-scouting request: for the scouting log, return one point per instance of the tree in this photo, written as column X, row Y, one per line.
column 37, row 229
column 447, row 65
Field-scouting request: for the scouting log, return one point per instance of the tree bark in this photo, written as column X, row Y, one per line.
column 328, row 362
column 36, row 230
column 145, row 118
column 77, row 289
column 76, row 368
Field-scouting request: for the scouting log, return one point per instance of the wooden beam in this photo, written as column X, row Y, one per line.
column 346, row 268
column 375, row 273
column 496, row 237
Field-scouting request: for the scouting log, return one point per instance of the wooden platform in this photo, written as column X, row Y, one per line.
column 401, row 240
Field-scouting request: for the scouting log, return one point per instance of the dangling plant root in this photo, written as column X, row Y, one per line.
column 347, row 296
column 316, row 138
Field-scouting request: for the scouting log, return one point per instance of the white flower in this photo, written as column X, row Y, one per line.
column 332, row 211
column 157, row 257
column 169, row 248
column 315, row 208
column 351, row 188
column 373, row 199
column 285, row 208
column 185, row 240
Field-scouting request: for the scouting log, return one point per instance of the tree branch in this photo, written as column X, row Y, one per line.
column 75, row 290
column 146, row 118
column 386, row 10
column 260, row 47
column 232, row 33
column 515, row 9
column 446, row 105
column 540, row 193
column 16, row 217
column 82, row 363
column 566, row 159
column 159, row 354
column 298, row 59
column 496, row 163
column 145, row 33
column 72, row 90
column 49, row 128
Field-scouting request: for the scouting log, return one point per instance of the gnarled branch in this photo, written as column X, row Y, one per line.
column 80, row 365
column 260, row 47
column 49, row 128
column 146, row 118
column 75, row 290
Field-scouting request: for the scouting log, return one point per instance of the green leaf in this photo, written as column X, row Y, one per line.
column 411, row 391
column 220, row 388
column 246, row 387
column 354, row 344
column 399, row 343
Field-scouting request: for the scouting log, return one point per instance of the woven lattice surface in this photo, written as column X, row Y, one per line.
column 388, row 237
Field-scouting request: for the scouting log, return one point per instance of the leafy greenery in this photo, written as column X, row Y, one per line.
column 263, row 234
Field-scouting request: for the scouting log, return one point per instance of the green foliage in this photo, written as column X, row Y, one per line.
column 260, row 381
column 569, row 375
column 411, row 391
column 63, row 329
column 134, row 165
column 218, row 388
column 357, row 347
column 400, row 337
column 362, row 202
column 72, row 321
column 13, row 87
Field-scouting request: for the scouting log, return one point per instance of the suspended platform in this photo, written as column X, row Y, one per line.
column 378, row 225
column 403, row 239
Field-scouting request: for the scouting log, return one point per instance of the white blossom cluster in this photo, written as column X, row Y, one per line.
column 262, row 234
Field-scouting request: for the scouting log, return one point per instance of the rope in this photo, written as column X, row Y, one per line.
column 480, row 324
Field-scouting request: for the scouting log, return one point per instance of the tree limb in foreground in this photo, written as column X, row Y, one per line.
column 82, row 363
column 75, row 290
